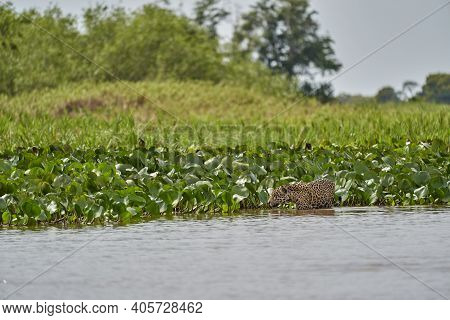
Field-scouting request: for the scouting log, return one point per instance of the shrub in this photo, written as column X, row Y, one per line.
column 47, row 49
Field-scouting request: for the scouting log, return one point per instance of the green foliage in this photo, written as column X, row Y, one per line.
column 58, row 184
column 408, row 89
column 386, row 94
column 47, row 49
column 118, row 158
column 32, row 59
column 8, row 48
column 437, row 88
column 151, row 43
column 322, row 92
column 284, row 36
column 209, row 131
column 202, row 114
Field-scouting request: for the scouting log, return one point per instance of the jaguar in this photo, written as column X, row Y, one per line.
column 316, row 194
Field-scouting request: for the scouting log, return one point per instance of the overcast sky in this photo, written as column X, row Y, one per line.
column 358, row 27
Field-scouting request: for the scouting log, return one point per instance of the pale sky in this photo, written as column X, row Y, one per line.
column 358, row 27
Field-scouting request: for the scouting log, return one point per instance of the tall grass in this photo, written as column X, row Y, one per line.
column 198, row 114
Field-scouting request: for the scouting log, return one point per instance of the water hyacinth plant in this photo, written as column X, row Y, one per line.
column 59, row 184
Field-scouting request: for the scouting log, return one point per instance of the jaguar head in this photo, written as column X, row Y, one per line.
column 279, row 196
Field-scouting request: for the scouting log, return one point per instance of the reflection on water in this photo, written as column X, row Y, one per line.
column 348, row 253
column 281, row 212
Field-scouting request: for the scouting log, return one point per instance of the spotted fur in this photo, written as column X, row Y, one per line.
column 313, row 195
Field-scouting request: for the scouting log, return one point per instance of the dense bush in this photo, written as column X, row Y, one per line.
column 387, row 94
column 437, row 88
column 151, row 43
column 30, row 58
column 47, row 49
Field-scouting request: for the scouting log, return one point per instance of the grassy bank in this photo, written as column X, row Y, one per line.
column 201, row 114
column 96, row 153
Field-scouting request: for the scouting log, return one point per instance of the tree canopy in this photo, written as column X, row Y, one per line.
column 148, row 43
column 284, row 35
column 437, row 88
column 209, row 14
column 387, row 94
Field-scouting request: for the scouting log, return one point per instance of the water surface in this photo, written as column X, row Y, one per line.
column 355, row 253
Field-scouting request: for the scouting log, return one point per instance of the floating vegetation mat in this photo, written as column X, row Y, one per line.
column 61, row 185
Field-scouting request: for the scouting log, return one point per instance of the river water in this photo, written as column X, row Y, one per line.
column 351, row 253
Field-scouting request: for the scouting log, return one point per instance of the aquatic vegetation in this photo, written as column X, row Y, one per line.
column 58, row 184
column 103, row 154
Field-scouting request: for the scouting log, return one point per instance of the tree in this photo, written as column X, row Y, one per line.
column 437, row 88
column 323, row 91
column 31, row 59
column 408, row 90
column 151, row 43
column 284, row 35
column 387, row 94
column 208, row 14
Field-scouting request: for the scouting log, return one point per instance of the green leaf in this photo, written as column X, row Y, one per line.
column 4, row 166
column 170, row 197
column 203, row 184
column 122, row 168
column 52, row 207
column 163, row 207
column 373, row 197
column 258, row 170
column 421, row 192
column 387, row 180
column 61, row 181
column 31, row 208
column 98, row 212
column 6, row 217
column 239, row 193
column 212, row 163
column 191, row 179
column 152, row 207
column 388, row 160
column 42, row 216
column 25, row 220
column 348, row 184
column 421, row 177
column 263, row 196
column 136, row 200
column 438, row 182
column 125, row 216
column 3, row 204
column 343, row 194
column 360, row 167
column 132, row 211
column 237, row 165
column 227, row 198
column 153, row 188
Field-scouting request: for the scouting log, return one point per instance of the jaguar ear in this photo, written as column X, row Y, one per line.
column 284, row 189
